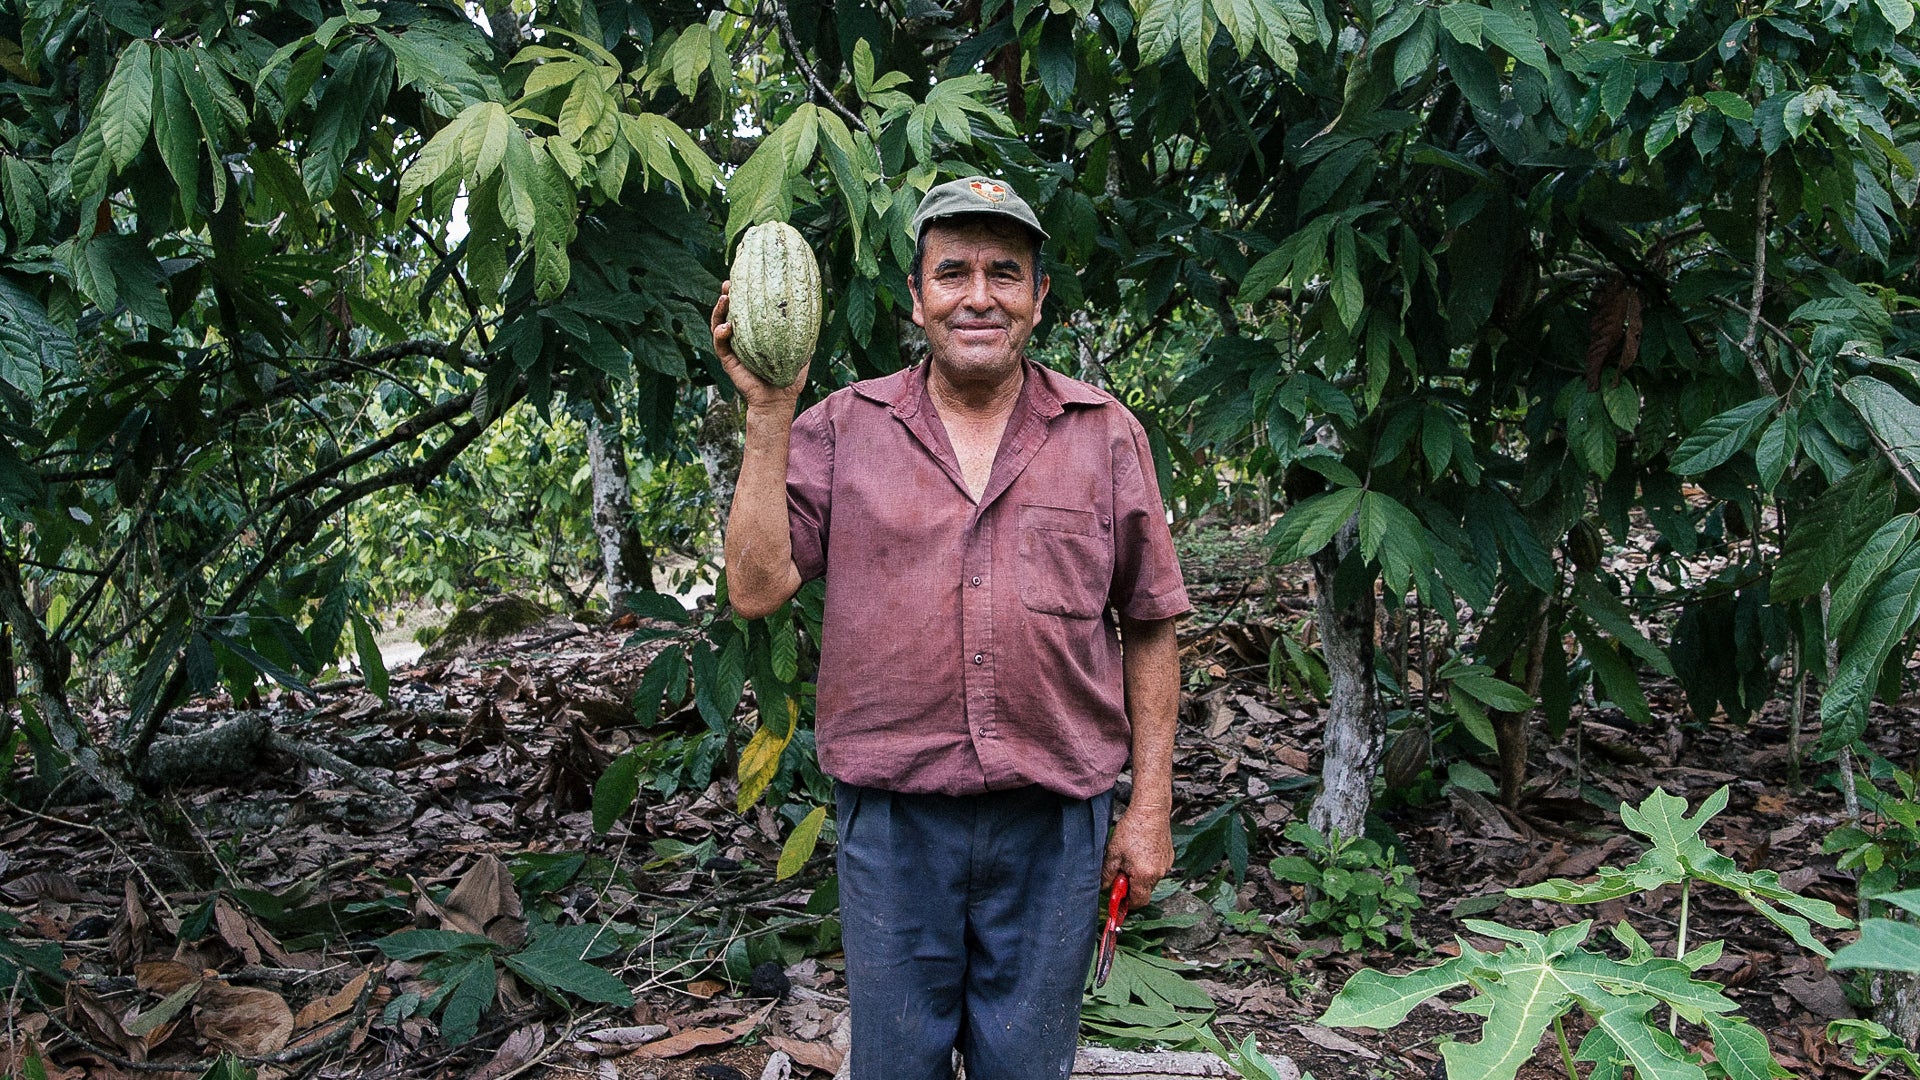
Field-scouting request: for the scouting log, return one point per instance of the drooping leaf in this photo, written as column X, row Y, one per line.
column 760, row 759
column 1310, row 525
column 125, row 114
column 800, row 844
column 614, row 792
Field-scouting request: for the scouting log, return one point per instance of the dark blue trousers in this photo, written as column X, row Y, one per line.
column 968, row 923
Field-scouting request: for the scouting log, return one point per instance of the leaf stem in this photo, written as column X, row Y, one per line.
column 1680, row 949
column 1566, row 1054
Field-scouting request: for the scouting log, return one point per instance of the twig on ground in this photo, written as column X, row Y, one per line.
column 111, row 842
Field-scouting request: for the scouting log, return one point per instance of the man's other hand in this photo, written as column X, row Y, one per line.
column 1142, row 845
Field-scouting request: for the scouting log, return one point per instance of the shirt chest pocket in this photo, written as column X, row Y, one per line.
column 1066, row 560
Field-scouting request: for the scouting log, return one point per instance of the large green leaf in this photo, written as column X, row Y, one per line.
column 32, row 345
column 1713, row 442
column 559, row 972
column 1377, row 1000
column 1887, row 613
column 614, row 792
column 1310, row 525
column 1882, row 551
column 1890, row 415
column 419, row 944
column 125, row 115
column 1884, row 945
column 175, row 131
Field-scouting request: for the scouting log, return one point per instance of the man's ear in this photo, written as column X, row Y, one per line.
column 1046, row 282
column 913, row 290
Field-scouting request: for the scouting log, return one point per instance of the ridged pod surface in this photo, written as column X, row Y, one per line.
column 775, row 302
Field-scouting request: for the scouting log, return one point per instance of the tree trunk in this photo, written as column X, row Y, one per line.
column 1356, row 728
column 1524, row 669
column 1896, row 1003
column 627, row 561
column 47, row 662
column 721, row 444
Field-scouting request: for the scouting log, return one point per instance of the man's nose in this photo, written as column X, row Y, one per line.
column 979, row 294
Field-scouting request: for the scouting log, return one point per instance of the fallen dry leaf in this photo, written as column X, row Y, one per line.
column 43, row 885
column 249, row 1020
column 618, row 1040
column 91, row 1015
column 814, row 1055
column 486, row 902
column 1329, row 1040
column 129, row 939
column 163, row 977
column 705, row 989
column 232, row 927
column 695, row 1038
column 520, row 1048
column 322, row 1009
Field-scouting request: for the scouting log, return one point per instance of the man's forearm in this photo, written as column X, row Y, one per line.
column 759, row 545
column 1152, row 671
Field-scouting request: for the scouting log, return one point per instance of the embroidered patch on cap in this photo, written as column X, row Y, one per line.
column 990, row 190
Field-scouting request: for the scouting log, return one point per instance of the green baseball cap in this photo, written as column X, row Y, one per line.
column 974, row 195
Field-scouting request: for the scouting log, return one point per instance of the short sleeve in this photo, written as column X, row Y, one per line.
column 810, row 490
column 1147, row 584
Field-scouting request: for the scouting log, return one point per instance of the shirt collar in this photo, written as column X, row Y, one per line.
column 1045, row 392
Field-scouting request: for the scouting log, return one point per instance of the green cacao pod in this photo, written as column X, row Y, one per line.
column 774, row 304
column 1584, row 546
column 1407, row 758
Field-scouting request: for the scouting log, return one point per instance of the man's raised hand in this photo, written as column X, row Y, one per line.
column 753, row 390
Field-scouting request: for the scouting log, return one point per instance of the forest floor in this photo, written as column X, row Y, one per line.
column 245, row 915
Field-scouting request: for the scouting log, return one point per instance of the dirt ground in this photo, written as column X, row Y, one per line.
column 499, row 754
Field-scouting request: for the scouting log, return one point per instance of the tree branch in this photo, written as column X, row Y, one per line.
column 1749, row 344
column 417, row 474
column 806, row 69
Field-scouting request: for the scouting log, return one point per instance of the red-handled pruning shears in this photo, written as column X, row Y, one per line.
column 1110, row 937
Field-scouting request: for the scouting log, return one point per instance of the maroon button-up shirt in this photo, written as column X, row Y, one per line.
column 969, row 647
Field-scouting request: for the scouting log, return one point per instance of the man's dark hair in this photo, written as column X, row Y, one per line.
column 920, row 255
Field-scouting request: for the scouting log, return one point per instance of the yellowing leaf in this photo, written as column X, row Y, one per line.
column 800, row 845
column 760, row 763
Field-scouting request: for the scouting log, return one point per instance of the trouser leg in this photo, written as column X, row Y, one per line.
column 967, row 922
column 902, row 914
column 1032, row 927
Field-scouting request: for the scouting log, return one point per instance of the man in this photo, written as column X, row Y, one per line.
column 976, row 518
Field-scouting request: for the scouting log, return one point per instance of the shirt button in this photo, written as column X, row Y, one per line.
column 976, row 582
column 979, row 658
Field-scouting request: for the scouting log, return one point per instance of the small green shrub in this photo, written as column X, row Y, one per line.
column 1356, row 890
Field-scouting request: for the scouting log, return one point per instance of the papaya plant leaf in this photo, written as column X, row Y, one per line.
column 1378, row 1000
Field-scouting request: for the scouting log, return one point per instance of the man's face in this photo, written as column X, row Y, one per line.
column 976, row 298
